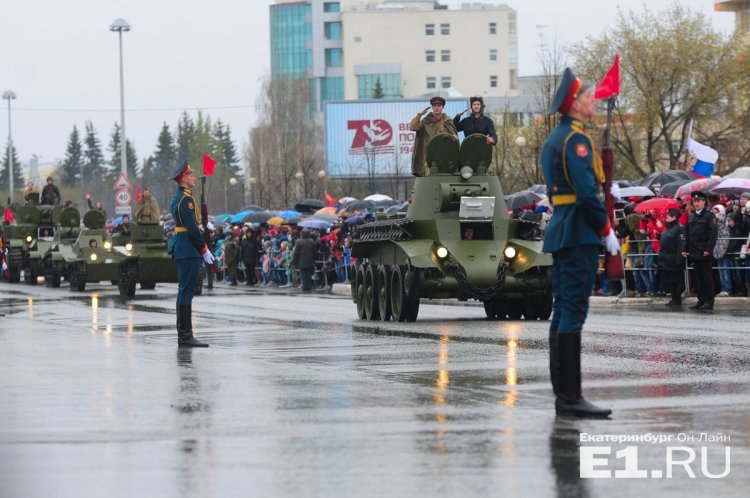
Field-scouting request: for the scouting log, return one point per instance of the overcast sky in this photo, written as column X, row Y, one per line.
column 61, row 60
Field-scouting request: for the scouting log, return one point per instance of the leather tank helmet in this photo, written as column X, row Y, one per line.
column 477, row 99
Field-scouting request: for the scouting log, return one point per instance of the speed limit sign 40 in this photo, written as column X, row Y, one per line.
column 122, row 197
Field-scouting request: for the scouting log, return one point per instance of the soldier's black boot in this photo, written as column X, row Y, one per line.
column 676, row 293
column 569, row 400
column 554, row 361
column 185, row 336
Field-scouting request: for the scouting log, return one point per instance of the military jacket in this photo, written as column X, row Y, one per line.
column 188, row 240
column 702, row 233
column 574, row 175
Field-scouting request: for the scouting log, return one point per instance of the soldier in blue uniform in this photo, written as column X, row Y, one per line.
column 189, row 250
column 575, row 177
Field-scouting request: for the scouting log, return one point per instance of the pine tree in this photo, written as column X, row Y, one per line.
column 17, row 176
column 115, row 165
column 94, row 167
column 73, row 163
column 185, row 131
column 228, row 157
column 377, row 92
column 164, row 164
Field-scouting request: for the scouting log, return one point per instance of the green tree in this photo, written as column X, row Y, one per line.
column 94, row 166
column 72, row 166
column 377, row 92
column 164, row 164
column 17, row 176
column 115, row 163
column 675, row 67
column 185, row 130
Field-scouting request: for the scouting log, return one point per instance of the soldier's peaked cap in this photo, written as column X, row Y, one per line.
column 699, row 194
column 182, row 170
column 568, row 90
column 437, row 100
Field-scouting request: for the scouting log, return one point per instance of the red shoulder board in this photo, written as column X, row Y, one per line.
column 582, row 150
column 190, row 205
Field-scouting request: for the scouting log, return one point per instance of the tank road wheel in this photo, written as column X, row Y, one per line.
column 514, row 309
column 384, row 295
column 360, row 293
column 398, row 302
column 128, row 279
column 151, row 286
column 411, row 292
column 371, row 293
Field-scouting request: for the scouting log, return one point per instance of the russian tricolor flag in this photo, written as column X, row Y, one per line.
column 705, row 158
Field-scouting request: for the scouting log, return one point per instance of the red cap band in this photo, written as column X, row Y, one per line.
column 574, row 88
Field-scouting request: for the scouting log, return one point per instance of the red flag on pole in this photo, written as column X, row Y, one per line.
column 330, row 200
column 8, row 214
column 610, row 85
column 138, row 192
column 208, row 165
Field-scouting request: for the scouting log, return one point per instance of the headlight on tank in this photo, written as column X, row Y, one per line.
column 510, row 252
column 467, row 172
column 441, row 252
column 29, row 238
column 92, row 257
column 108, row 245
column 128, row 247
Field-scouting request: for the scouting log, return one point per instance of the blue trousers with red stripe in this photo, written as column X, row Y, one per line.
column 573, row 273
column 187, row 277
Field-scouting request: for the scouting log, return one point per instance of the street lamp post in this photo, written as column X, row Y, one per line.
column 299, row 175
column 253, row 181
column 10, row 95
column 119, row 25
column 232, row 182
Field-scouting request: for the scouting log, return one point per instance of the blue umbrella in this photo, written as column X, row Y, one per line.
column 289, row 213
column 117, row 221
column 316, row 224
column 237, row 218
column 223, row 218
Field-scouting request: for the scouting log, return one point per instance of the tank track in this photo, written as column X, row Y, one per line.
column 15, row 261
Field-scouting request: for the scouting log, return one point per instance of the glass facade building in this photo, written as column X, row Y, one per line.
column 291, row 36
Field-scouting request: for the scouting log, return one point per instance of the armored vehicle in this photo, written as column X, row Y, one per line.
column 145, row 260
column 19, row 235
column 92, row 259
column 455, row 240
column 62, row 248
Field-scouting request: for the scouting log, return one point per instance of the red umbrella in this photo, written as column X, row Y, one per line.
column 658, row 204
column 699, row 184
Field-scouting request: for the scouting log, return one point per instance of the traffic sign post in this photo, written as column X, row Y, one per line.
column 122, row 199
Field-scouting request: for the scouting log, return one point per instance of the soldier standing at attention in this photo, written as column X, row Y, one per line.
column 189, row 250
column 575, row 177
column 435, row 123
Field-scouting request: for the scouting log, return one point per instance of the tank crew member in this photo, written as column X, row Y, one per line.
column 701, row 235
column 435, row 123
column 27, row 193
column 50, row 192
column 189, row 250
column 147, row 209
column 476, row 122
column 575, row 177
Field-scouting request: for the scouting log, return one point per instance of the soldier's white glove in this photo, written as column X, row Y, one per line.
column 614, row 189
column 611, row 242
column 208, row 257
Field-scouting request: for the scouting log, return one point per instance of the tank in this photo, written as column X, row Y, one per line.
column 429, row 252
column 145, row 260
column 30, row 239
column 62, row 248
column 91, row 258
column 19, row 235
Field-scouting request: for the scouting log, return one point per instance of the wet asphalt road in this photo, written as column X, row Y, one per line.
column 296, row 397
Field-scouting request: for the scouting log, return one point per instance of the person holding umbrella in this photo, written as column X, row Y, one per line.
column 574, row 175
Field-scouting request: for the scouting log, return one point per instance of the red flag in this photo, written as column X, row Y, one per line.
column 610, row 85
column 138, row 192
column 208, row 165
column 330, row 200
column 8, row 214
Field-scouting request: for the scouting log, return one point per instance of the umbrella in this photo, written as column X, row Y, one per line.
column 398, row 208
column 316, row 224
column 344, row 200
column 636, row 192
column 275, row 221
column 289, row 213
column 699, row 184
column 325, row 217
column 309, row 205
column 354, row 206
column 377, row 198
column 253, row 207
column 671, row 187
column 659, row 204
column 327, row 210
column 257, row 217
column 741, row 172
column 239, row 217
column 354, row 220
column 223, row 218
column 659, row 178
column 117, row 220
column 733, row 186
column 522, row 198
column 623, row 183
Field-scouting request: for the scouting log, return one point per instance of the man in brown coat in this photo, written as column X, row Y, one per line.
column 146, row 209
column 434, row 123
